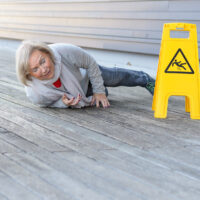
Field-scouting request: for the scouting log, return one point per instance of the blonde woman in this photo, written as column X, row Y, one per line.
column 64, row 75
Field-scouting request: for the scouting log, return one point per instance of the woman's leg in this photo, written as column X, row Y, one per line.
column 114, row 77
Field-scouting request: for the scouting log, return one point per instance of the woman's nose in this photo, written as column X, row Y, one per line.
column 43, row 69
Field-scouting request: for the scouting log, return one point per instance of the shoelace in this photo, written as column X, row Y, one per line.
column 150, row 86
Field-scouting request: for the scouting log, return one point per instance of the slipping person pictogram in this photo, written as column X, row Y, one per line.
column 179, row 64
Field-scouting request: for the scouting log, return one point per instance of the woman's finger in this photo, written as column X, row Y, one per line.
column 97, row 103
column 75, row 102
column 69, row 102
column 93, row 100
column 64, row 97
column 105, row 105
column 78, row 98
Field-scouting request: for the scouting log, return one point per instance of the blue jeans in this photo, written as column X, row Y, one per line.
column 114, row 77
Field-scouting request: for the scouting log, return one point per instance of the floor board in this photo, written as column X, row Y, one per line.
column 122, row 152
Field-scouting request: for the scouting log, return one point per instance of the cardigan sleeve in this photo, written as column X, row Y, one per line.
column 58, row 104
column 77, row 57
column 42, row 101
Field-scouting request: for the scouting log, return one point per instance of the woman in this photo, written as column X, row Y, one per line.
column 64, row 75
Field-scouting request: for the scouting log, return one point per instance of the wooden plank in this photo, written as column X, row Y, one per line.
column 84, row 24
column 46, row 174
column 76, row 118
column 3, row 197
column 127, row 110
column 97, row 141
column 121, row 25
column 153, row 156
column 89, row 147
column 184, row 7
column 86, row 6
column 12, row 84
column 116, row 176
column 121, row 181
column 31, row 181
column 102, row 43
column 13, row 190
column 93, row 155
column 12, row 138
column 7, row 148
column 81, row 186
column 61, row 1
column 114, row 97
column 112, row 161
column 3, row 130
column 38, row 135
column 108, row 15
column 135, row 170
column 103, row 32
column 91, row 36
column 81, row 22
column 132, row 185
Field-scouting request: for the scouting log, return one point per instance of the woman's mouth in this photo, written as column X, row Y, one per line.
column 47, row 73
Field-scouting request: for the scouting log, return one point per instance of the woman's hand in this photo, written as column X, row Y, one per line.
column 100, row 98
column 71, row 102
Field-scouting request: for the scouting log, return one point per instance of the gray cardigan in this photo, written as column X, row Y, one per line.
column 82, row 65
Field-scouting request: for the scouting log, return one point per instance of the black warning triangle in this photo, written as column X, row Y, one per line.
column 179, row 64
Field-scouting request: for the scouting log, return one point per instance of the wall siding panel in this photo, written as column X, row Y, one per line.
column 132, row 26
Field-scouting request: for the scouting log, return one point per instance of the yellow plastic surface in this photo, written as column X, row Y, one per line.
column 178, row 71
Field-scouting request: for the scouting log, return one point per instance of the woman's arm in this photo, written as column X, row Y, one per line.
column 84, row 60
column 41, row 100
column 77, row 57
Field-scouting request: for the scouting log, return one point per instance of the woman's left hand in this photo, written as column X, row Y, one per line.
column 100, row 98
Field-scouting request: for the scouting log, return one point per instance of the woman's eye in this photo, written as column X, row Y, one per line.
column 35, row 69
column 42, row 61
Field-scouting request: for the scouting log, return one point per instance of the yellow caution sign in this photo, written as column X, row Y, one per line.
column 179, row 64
column 178, row 71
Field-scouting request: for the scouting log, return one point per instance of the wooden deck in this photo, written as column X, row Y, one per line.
column 95, row 154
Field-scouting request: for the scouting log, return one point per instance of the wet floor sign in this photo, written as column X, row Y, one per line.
column 178, row 70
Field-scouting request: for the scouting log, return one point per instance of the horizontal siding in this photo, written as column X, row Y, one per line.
column 132, row 26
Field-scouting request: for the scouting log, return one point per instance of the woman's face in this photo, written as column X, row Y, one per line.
column 41, row 65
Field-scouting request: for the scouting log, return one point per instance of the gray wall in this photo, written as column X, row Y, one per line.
column 130, row 26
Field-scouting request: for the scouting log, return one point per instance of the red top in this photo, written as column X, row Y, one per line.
column 57, row 83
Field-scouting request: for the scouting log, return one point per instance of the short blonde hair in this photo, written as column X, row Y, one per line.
column 23, row 54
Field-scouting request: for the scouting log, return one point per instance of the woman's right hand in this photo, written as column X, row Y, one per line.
column 71, row 102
